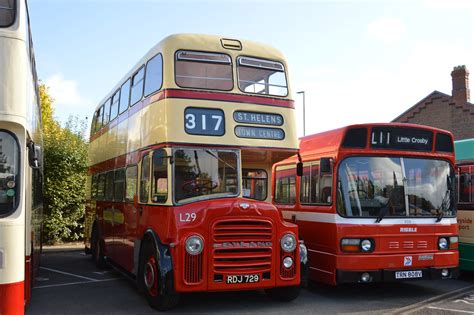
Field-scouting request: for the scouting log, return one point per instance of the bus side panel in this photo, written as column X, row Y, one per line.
column 466, row 238
column 14, row 294
column 321, row 246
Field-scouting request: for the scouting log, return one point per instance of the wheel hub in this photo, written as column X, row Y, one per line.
column 150, row 274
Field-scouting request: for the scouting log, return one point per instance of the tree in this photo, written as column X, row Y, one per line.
column 65, row 171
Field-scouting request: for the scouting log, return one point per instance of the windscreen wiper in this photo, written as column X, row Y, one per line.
column 383, row 212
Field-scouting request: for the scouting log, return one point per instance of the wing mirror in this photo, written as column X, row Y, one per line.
column 34, row 155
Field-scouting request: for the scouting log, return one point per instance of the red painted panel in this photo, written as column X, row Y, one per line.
column 12, row 298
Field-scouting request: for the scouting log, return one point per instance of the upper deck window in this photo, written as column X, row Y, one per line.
column 202, row 70
column 9, row 173
column 137, row 86
column 7, row 12
column 261, row 76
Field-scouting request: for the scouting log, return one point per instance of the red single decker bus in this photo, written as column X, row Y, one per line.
column 374, row 202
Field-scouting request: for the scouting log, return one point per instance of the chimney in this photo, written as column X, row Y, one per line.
column 460, row 77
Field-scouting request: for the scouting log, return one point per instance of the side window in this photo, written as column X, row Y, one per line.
column 315, row 187
column 94, row 187
column 137, row 86
column 109, row 186
column 9, row 173
column 325, row 188
column 119, row 185
column 464, row 185
column 101, row 187
column 154, row 75
column 94, row 123
column 145, row 179
column 309, row 184
column 124, row 96
column 115, row 105
column 7, row 12
column 160, row 177
column 285, row 185
column 100, row 117
column 255, row 184
column 106, row 112
column 131, row 175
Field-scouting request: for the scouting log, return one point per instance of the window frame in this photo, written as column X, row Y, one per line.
column 152, row 180
column 123, row 184
column 127, row 180
column 310, row 164
column 142, row 67
column 141, row 180
column 98, row 184
column 19, row 175
column 15, row 15
column 203, row 61
column 112, row 104
column 285, row 168
column 237, row 64
column 107, row 189
column 256, row 179
column 145, row 75
column 129, row 81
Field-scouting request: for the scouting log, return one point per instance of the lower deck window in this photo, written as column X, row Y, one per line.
column 9, row 173
column 255, row 184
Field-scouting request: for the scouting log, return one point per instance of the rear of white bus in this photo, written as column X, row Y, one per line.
column 19, row 125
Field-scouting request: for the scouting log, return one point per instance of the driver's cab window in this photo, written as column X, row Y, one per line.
column 145, row 179
column 159, row 192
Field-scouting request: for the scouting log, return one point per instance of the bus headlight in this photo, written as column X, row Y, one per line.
column 194, row 245
column 287, row 262
column 366, row 245
column 303, row 253
column 288, row 243
column 443, row 243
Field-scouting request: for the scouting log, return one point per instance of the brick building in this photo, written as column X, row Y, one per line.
column 454, row 113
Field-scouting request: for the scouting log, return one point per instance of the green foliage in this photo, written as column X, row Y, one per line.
column 65, row 170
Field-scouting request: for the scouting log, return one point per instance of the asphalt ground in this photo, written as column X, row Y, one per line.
column 69, row 283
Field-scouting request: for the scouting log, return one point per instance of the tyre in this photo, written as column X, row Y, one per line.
column 149, row 280
column 97, row 250
column 284, row 294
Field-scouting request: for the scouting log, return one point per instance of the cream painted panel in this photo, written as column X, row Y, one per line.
column 13, row 269
column 466, row 226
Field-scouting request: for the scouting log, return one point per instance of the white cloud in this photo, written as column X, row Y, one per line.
column 386, row 30
column 67, row 98
column 64, row 92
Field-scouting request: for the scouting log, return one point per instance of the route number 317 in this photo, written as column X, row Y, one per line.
column 204, row 121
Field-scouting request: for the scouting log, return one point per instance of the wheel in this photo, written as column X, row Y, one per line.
column 97, row 250
column 284, row 294
column 149, row 277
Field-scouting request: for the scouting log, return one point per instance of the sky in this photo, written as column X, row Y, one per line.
column 356, row 61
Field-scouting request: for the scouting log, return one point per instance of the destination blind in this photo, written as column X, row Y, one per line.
column 396, row 138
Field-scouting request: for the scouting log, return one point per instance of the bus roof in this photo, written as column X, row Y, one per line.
column 464, row 149
column 200, row 42
column 330, row 141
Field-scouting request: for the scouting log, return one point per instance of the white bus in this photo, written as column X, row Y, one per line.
column 21, row 205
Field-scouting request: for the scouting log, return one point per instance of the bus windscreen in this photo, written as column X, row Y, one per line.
column 395, row 187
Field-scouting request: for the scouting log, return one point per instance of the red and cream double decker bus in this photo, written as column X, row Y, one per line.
column 180, row 162
column 20, row 171
column 374, row 202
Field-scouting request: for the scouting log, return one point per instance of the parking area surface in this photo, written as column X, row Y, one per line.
column 69, row 283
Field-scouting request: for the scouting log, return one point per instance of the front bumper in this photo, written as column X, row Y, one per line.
column 388, row 275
